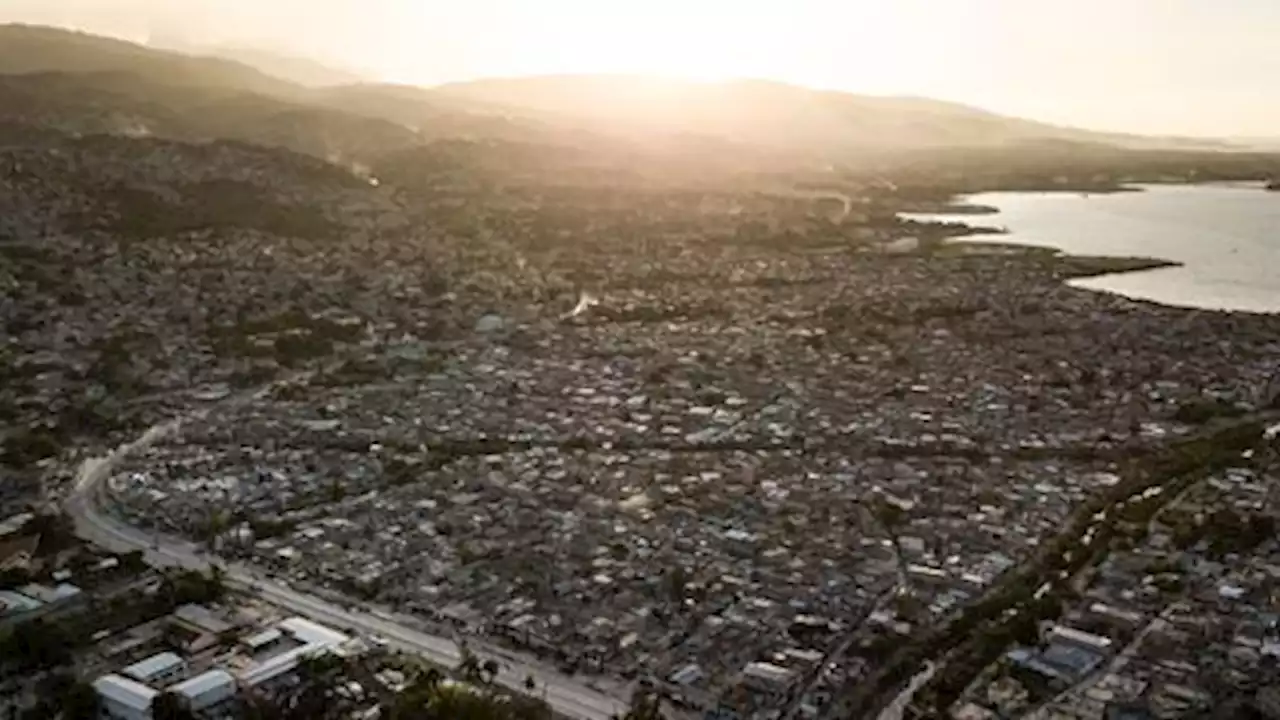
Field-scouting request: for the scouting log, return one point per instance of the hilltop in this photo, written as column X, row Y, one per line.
column 291, row 68
column 27, row 49
column 778, row 115
column 264, row 97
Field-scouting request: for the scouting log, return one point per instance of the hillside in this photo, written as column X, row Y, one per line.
column 298, row 70
column 80, row 83
column 30, row 49
column 773, row 114
column 122, row 103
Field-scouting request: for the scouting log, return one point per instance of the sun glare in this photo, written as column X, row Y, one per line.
column 853, row 45
column 809, row 42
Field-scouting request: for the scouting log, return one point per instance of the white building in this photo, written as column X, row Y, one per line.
column 124, row 699
column 207, row 695
column 277, row 654
column 1079, row 638
column 309, row 639
column 157, row 670
column 767, row 677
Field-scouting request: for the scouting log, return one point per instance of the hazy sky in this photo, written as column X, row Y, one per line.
column 1203, row 67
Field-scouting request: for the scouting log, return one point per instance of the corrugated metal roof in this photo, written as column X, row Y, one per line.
column 12, row 602
column 202, row 618
column 312, row 633
column 126, row 692
column 266, row 637
column 206, row 690
column 273, row 667
column 316, row 638
column 154, row 666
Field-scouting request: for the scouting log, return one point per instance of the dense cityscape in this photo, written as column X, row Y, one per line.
column 487, row 430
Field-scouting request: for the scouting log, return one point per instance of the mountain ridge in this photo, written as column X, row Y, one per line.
column 644, row 113
column 719, row 102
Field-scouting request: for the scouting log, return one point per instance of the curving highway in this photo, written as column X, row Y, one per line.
column 566, row 695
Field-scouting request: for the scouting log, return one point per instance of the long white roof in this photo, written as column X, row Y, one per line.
column 315, row 637
column 123, row 691
column 207, row 689
column 154, row 666
column 313, row 633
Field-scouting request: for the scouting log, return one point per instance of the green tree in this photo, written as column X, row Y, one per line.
column 169, row 706
column 469, row 666
column 489, row 670
column 13, row 577
column 191, row 586
column 646, row 704
column 36, row 645
column 64, row 697
column 677, row 582
column 450, row 703
column 79, row 702
column 315, row 696
column 133, row 560
column 57, row 533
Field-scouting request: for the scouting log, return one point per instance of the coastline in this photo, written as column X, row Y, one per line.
column 1075, row 267
column 960, row 203
column 1079, row 270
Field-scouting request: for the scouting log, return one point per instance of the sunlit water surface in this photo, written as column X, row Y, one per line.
column 1227, row 238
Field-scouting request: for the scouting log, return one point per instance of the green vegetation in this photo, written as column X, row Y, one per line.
column 429, row 697
column 194, row 587
column 29, row 447
column 35, row 645
column 1203, row 410
column 646, row 704
column 316, row 696
column 983, row 630
column 292, row 337
column 169, row 706
column 63, row 697
column 1223, row 532
column 209, row 205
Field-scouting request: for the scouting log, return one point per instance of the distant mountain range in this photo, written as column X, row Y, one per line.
column 85, row 83
column 779, row 115
column 26, row 49
column 298, row 70
column 1264, row 144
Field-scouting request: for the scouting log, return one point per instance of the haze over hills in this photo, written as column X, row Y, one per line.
column 575, row 365
column 251, row 97
column 776, row 114
column 298, row 70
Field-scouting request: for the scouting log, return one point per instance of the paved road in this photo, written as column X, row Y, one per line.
column 566, row 695
column 898, row 707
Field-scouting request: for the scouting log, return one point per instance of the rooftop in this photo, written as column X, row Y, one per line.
column 206, row 689
column 125, row 692
column 155, row 666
